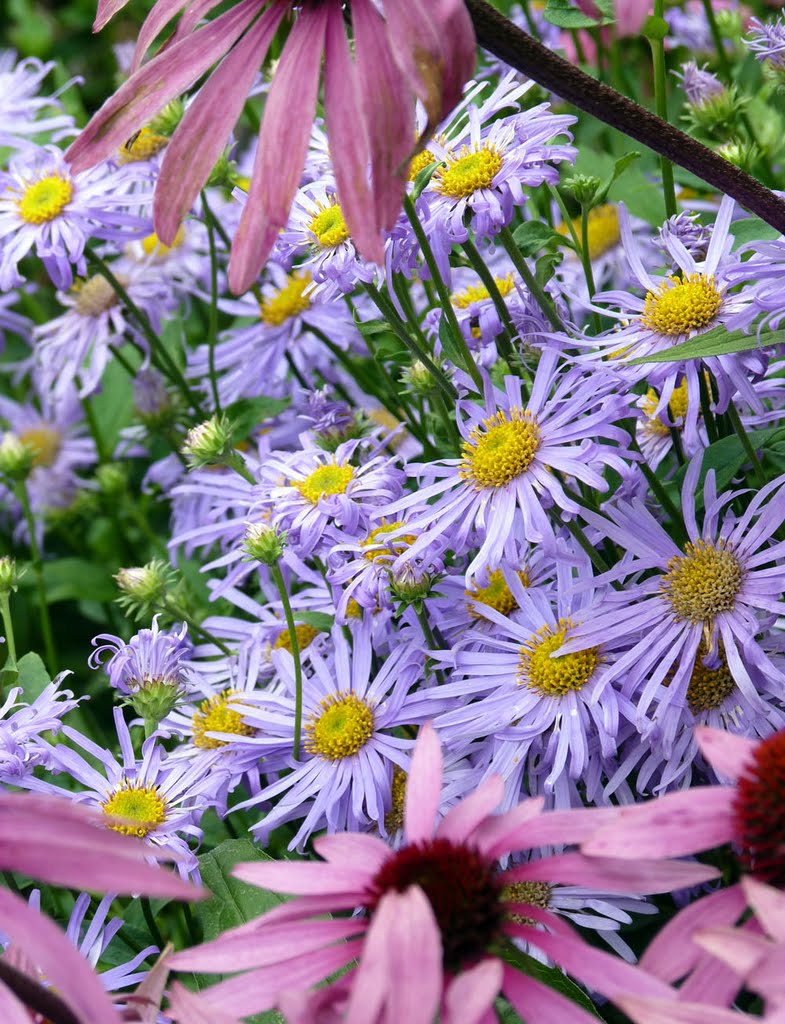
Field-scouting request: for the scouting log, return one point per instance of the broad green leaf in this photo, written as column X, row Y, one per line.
column 641, row 197
column 726, row 457
column 113, row 405
column 233, row 902
column 655, row 28
column 619, row 168
column 564, row 15
column 546, row 266
column 716, row 342
column 422, row 178
column 76, row 579
column 533, row 235
column 319, row 620
column 33, row 675
column 249, row 413
column 752, row 229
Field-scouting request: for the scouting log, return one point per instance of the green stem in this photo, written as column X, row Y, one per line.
column 661, row 106
column 430, row 639
column 152, row 924
column 236, row 462
column 539, row 294
column 103, row 453
column 8, row 629
column 277, row 575
column 708, row 415
column 38, row 572
column 461, row 348
column 504, row 339
column 212, row 326
column 747, row 445
column 588, row 271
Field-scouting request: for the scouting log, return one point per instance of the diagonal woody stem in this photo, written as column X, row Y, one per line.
column 521, row 51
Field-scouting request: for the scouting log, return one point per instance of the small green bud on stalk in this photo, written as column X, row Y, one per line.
column 209, row 443
column 16, row 458
column 9, row 575
column 143, row 588
column 264, row 543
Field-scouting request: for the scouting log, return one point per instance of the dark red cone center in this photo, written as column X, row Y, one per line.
column 759, row 810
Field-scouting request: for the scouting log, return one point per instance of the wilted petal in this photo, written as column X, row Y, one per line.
column 153, row 25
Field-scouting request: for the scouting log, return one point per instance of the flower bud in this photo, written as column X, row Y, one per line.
column 9, row 575
column 168, row 119
column 582, row 187
column 16, row 458
column 209, row 443
column 418, row 378
column 264, row 543
column 144, row 587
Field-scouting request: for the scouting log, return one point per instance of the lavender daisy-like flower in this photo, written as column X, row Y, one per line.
column 21, row 105
column 351, row 715
column 46, row 207
column 699, row 85
column 151, row 657
column 438, row 910
column 514, row 453
column 766, row 40
column 22, row 725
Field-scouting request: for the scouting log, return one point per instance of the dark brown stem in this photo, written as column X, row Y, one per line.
column 35, row 996
column 526, row 54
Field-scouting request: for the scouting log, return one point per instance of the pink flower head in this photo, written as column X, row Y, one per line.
column 412, row 50
column 437, row 912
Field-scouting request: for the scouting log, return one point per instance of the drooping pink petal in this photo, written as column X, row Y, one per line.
column 302, row 878
column 768, row 904
column 667, row 1011
column 423, row 787
column 155, row 22
column 283, row 142
column 462, row 819
column 353, row 849
column 349, row 145
column 389, row 111
column 558, row 828
column 414, row 957
column 148, row 995
column 541, row 1003
column 735, row 947
column 106, row 11
column 672, row 953
column 726, row 753
column 639, row 877
column 205, row 129
column 145, row 93
column 188, row 1008
column 372, row 978
column 669, row 826
column 504, row 833
column 471, row 993
column 59, row 960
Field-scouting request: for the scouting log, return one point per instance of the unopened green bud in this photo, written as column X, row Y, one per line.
column 717, row 114
column 168, row 119
column 741, row 154
column 209, row 443
column 16, row 458
column 418, row 378
column 223, row 174
column 112, row 479
column 155, row 700
column 264, row 543
column 9, row 575
column 582, row 187
column 730, row 24
column 144, row 587
column 411, row 585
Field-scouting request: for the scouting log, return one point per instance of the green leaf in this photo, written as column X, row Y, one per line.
column 562, row 14
column 319, row 620
column 233, row 902
column 642, row 198
column 249, row 413
column 716, row 342
column 751, row 229
column 533, row 235
column 546, row 266
column 33, row 675
column 726, row 457
column 422, row 178
column 76, row 579
column 370, row 328
column 619, row 168
column 113, row 405
column 550, row 976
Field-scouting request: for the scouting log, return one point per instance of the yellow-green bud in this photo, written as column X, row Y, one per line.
column 144, row 586
column 16, row 458
column 264, row 543
column 168, row 119
column 9, row 575
column 209, row 443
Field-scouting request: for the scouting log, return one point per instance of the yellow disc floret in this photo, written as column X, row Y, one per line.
column 553, row 675
column 535, row 894
column 94, row 296
column 393, row 819
column 380, row 549
column 496, row 594
column 501, row 450
column 677, row 407
column 468, row 172
column 709, row 687
column 478, row 292
column 305, row 637
column 682, row 305
column 215, row 715
column 703, row 582
column 153, row 246
column 288, row 301
column 45, row 199
column 326, row 480
column 43, row 441
column 329, row 227
column 142, row 145
column 142, row 805
column 341, row 728
column 418, row 163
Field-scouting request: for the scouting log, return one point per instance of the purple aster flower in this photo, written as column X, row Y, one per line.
column 689, row 27
column 153, row 657
column 21, row 106
column 23, row 724
column 707, row 600
column 45, row 207
column 763, row 274
column 16, row 323
column 767, row 41
column 514, row 453
column 686, row 229
column 160, row 799
column 513, row 683
column 351, row 715
column 699, row 85
column 325, row 415
column 655, row 424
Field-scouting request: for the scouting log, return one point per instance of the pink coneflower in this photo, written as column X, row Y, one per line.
column 412, row 50
column 438, row 911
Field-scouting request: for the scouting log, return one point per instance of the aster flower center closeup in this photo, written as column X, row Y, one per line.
column 44, row 442
column 502, row 449
column 496, row 594
column 398, row 544
column 420, row 162
column 462, row 887
column 305, row 637
column 94, row 296
column 682, row 305
column 677, row 408
column 709, row 687
column 344, row 726
column 328, row 227
column 536, row 894
column 287, row 302
column 143, row 145
column 603, row 229
column 703, row 582
column 324, row 481
column 553, row 675
column 757, row 809
column 478, row 292
column 468, row 172
column 215, row 715
column 143, row 805
column 393, row 819
column 45, row 199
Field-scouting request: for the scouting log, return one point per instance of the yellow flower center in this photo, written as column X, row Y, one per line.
column 703, row 582
column 143, row 805
column 536, row 894
column 677, row 406
column 287, row 302
column 501, row 450
column 153, row 246
column 215, row 715
column 45, row 199
column 94, row 296
column 391, row 546
column 343, row 727
column 305, row 637
column 602, row 229
column 44, row 442
column 497, row 594
column 142, row 145
column 709, row 687
column 478, row 292
column 393, row 819
column 420, row 162
column 682, row 305
column 468, row 172
column 555, row 676
column 329, row 227
column 326, row 480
